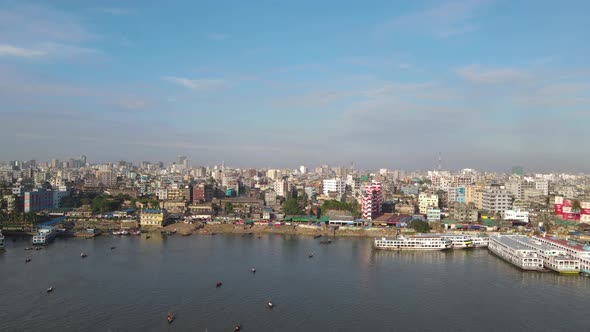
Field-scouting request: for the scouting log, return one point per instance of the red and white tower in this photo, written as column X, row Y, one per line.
column 371, row 203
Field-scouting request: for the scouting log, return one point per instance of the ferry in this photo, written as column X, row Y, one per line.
column 555, row 259
column 578, row 250
column 459, row 241
column 507, row 248
column 1, row 241
column 45, row 236
column 414, row 243
column 480, row 241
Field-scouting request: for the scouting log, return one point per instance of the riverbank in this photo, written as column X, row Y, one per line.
column 303, row 230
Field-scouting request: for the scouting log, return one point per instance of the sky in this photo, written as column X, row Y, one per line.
column 485, row 84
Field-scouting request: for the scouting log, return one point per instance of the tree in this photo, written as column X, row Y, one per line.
column 229, row 207
column 576, row 206
column 291, row 207
column 420, row 226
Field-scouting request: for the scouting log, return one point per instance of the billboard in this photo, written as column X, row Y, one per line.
column 558, row 200
column 585, row 205
column 585, row 218
column 567, row 202
column 567, row 209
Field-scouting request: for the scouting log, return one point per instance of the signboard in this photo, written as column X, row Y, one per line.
column 558, row 200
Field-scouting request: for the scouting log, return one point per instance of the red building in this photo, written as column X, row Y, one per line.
column 371, row 201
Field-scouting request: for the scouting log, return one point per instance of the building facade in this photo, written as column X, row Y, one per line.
column 427, row 201
column 496, row 199
column 334, row 185
column 371, row 201
column 151, row 218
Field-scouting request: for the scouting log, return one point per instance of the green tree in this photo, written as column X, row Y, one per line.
column 291, row 207
column 420, row 226
column 576, row 206
column 229, row 207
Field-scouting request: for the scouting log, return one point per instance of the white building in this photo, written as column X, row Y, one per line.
column 161, row 193
column 516, row 214
column 426, row 201
column 302, row 169
column 334, row 185
column 281, row 187
column 542, row 185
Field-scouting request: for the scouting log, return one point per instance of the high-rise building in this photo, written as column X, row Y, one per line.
column 496, row 199
column 371, row 201
column 202, row 193
column 83, row 160
column 281, row 187
column 518, row 170
column 302, row 169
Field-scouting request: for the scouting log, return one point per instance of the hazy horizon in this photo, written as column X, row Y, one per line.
column 488, row 84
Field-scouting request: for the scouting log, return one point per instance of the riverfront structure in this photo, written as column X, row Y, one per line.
column 507, row 248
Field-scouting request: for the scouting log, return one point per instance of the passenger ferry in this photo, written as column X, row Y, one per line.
column 554, row 258
column 480, row 241
column 578, row 250
column 507, row 248
column 459, row 241
column 45, row 236
column 414, row 243
column 1, row 241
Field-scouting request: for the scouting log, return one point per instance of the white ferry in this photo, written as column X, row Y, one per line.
column 414, row 243
column 45, row 236
column 1, row 241
column 507, row 248
column 480, row 241
column 554, row 258
column 579, row 251
column 459, row 241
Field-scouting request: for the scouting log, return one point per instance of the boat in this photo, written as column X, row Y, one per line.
column 328, row 241
column 83, row 255
column 113, row 248
column 480, row 241
column 27, row 260
column 413, row 243
column 45, row 235
column 253, row 270
column 38, row 248
column 270, row 304
column 29, row 248
column 50, row 289
column 147, row 236
column 137, row 232
column 512, row 251
column 553, row 258
column 238, row 327
column 459, row 241
column 577, row 250
column 116, row 233
column 310, row 255
column 218, row 284
column 1, row 241
column 317, row 236
column 170, row 318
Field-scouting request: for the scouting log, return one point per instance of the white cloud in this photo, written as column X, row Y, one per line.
column 477, row 74
column 198, row 85
column 10, row 50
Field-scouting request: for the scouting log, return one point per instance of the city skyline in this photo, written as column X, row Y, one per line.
column 386, row 85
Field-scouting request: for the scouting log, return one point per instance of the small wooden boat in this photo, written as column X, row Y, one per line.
column 310, row 255
column 170, row 318
column 38, row 248
column 317, row 236
column 29, row 248
column 113, row 248
column 253, row 270
column 238, row 327
column 50, row 289
column 27, row 260
column 218, row 284
column 328, row 241
column 147, row 236
column 270, row 304
column 83, row 255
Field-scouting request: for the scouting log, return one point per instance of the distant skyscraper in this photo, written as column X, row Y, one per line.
column 518, row 170
column 83, row 160
column 302, row 169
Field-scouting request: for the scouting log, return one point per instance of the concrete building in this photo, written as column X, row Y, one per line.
column 517, row 215
column 281, row 187
column 464, row 212
column 474, row 194
column 106, row 178
column 151, row 217
column 456, row 194
column 202, row 193
column 427, row 201
column 371, row 201
column 38, row 200
column 270, row 198
column 161, row 193
column 334, row 185
column 496, row 199
column 433, row 215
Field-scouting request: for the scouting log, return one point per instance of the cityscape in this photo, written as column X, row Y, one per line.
column 294, row 166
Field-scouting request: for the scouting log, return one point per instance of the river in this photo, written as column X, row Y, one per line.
column 346, row 286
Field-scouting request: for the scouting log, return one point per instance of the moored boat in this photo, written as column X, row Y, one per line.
column 510, row 250
column 45, row 235
column 413, row 243
column 1, row 241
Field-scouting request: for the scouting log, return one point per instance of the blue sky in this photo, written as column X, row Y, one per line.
column 488, row 84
